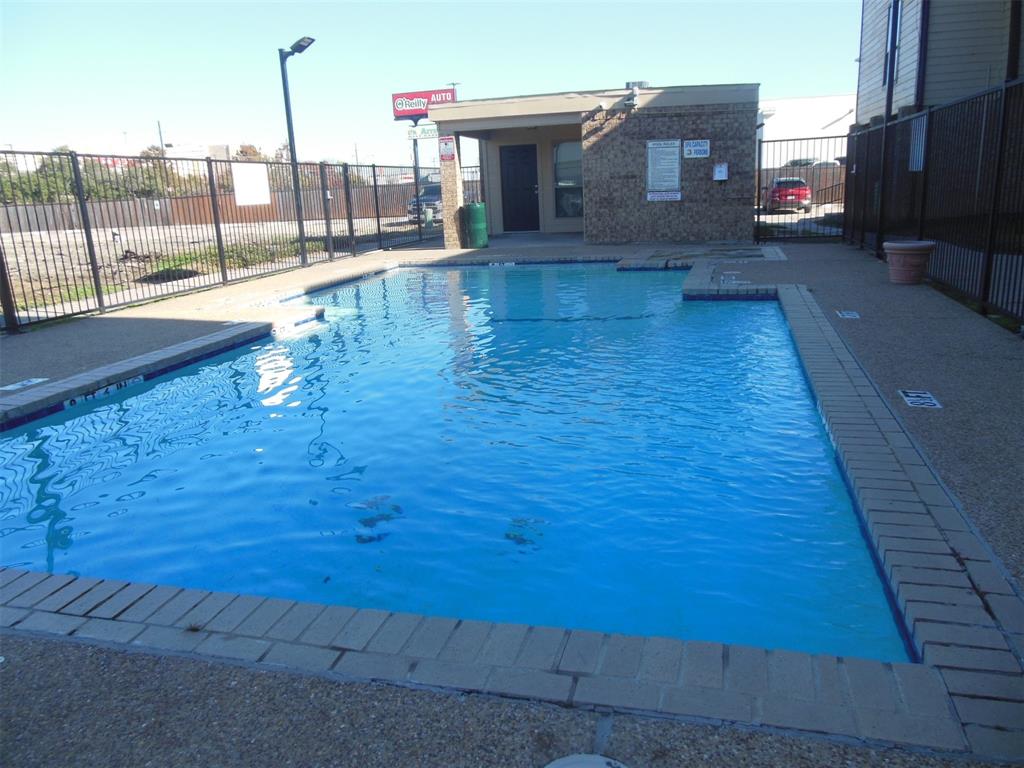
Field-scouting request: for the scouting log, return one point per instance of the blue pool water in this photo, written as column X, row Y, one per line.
column 559, row 445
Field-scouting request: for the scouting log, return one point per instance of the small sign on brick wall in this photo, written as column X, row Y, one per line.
column 446, row 148
column 663, row 170
column 919, row 398
column 848, row 314
column 697, row 148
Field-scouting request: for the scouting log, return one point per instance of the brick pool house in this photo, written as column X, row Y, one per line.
column 635, row 164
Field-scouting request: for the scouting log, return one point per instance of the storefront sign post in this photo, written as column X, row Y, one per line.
column 413, row 105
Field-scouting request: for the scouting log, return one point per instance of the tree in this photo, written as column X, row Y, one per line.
column 283, row 153
column 249, row 152
column 153, row 151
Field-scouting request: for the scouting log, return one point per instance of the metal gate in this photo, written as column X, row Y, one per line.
column 801, row 188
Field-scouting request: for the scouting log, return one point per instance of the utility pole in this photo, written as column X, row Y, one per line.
column 160, row 133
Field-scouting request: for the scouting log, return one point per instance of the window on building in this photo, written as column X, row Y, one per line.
column 569, row 179
column 895, row 13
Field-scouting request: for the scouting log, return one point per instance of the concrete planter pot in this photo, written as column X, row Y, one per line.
column 908, row 260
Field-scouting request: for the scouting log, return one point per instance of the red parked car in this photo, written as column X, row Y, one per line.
column 789, row 193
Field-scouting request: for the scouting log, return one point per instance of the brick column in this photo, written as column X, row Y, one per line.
column 452, row 198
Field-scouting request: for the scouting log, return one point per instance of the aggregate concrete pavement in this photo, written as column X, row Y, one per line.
column 71, row 704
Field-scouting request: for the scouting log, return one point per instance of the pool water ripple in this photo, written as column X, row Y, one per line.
column 557, row 445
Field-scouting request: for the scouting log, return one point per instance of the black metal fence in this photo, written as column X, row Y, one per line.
column 951, row 174
column 801, row 188
column 88, row 232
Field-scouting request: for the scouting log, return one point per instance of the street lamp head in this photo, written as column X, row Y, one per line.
column 301, row 44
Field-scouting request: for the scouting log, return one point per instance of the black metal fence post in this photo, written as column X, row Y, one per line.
column 348, row 210
column 882, row 168
column 215, row 207
column 376, row 208
column 90, row 246
column 757, row 194
column 863, row 168
column 10, row 309
column 328, row 214
column 416, row 187
column 850, row 185
column 993, row 212
column 924, row 173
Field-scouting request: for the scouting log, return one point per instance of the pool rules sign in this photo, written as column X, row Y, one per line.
column 663, row 170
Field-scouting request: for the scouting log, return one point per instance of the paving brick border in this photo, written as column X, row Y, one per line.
column 962, row 616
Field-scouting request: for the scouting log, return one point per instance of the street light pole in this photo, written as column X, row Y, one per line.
column 297, row 47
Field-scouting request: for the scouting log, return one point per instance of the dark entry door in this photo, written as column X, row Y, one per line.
column 519, row 208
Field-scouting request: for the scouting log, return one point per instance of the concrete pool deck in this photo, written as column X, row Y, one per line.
column 966, row 617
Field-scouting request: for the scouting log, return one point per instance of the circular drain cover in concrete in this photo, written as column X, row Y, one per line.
column 585, row 761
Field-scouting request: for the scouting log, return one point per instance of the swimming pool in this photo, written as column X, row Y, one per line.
column 559, row 445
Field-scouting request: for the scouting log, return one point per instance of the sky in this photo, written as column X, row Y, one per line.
column 98, row 76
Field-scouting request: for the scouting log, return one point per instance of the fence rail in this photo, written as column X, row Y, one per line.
column 83, row 232
column 801, row 188
column 950, row 174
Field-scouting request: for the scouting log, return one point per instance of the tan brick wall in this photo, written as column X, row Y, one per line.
column 452, row 195
column 615, row 175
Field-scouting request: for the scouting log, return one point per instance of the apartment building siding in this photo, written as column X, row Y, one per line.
column 870, row 90
column 964, row 50
column 967, row 48
column 874, row 45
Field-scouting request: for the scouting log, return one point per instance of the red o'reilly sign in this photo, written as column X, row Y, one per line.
column 416, row 103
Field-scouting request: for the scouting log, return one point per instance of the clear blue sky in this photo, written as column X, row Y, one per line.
column 97, row 76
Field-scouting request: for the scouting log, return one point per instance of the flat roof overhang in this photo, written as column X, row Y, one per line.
column 477, row 117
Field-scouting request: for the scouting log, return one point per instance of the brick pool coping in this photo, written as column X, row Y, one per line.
column 963, row 617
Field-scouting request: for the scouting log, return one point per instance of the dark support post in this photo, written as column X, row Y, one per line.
column 7, row 304
column 924, row 173
column 1013, row 46
column 376, row 208
column 849, row 185
column 757, row 193
column 862, row 169
column 215, row 207
column 348, row 211
column 890, row 81
column 922, row 54
column 325, row 196
column 416, row 185
column 83, row 211
column 993, row 211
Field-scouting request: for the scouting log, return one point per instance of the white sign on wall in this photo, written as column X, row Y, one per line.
column 697, row 148
column 663, row 169
column 721, row 172
column 446, row 148
column 252, row 185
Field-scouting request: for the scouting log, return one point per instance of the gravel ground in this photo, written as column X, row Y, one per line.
column 914, row 337
column 171, row 711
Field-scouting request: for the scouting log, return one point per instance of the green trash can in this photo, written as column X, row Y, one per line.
column 476, row 225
